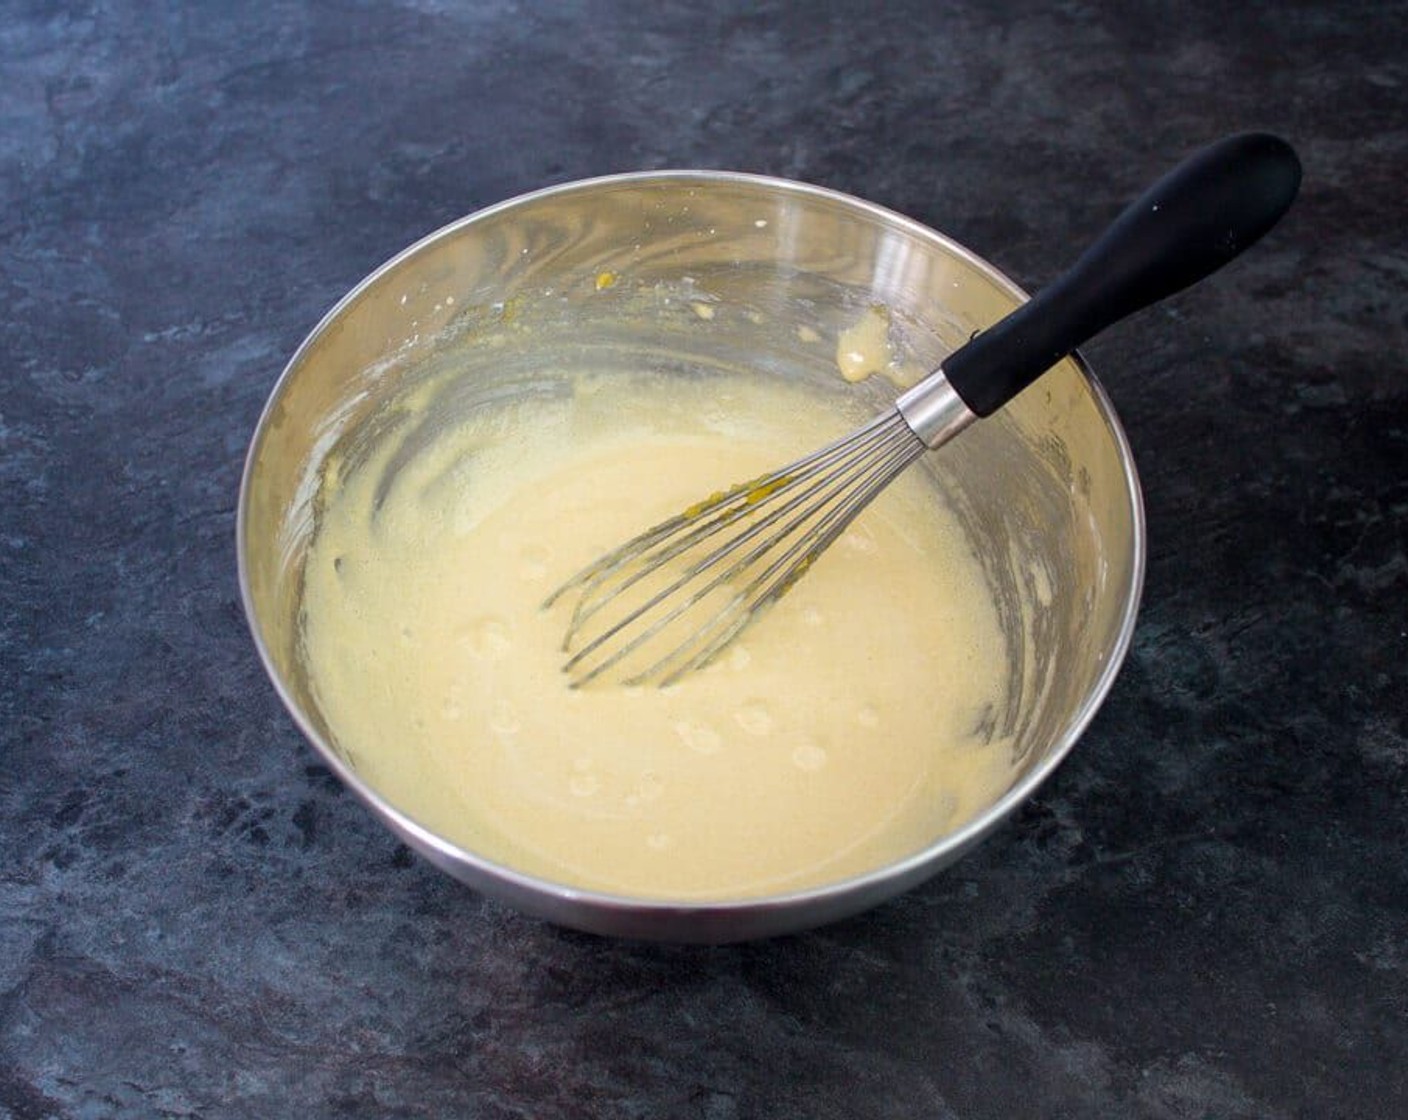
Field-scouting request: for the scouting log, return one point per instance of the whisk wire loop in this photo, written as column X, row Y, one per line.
column 841, row 508
column 651, row 585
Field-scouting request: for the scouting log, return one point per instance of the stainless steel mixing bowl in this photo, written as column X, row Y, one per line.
column 689, row 274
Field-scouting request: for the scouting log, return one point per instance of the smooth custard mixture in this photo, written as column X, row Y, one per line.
column 848, row 728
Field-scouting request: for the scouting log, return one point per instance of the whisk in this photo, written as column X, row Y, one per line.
column 668, row 601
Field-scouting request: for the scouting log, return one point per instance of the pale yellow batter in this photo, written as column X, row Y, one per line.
column 840, row 732
column 864, row 348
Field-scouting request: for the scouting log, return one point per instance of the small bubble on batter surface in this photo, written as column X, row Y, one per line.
column 754, row 718
column 698, row 737
column 809, row 757
column 533, row 563
column 504, row 719
column 488, row 638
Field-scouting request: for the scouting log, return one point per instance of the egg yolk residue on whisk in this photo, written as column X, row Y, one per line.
column 842, row 731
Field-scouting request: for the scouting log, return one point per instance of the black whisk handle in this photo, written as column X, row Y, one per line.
column 1190, row 223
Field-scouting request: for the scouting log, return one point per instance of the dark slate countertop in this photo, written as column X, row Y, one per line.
column 1203, row 914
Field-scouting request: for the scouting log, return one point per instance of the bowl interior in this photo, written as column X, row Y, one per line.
column 691, row 275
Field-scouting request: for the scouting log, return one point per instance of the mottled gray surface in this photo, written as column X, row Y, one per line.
column 1205, row 913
